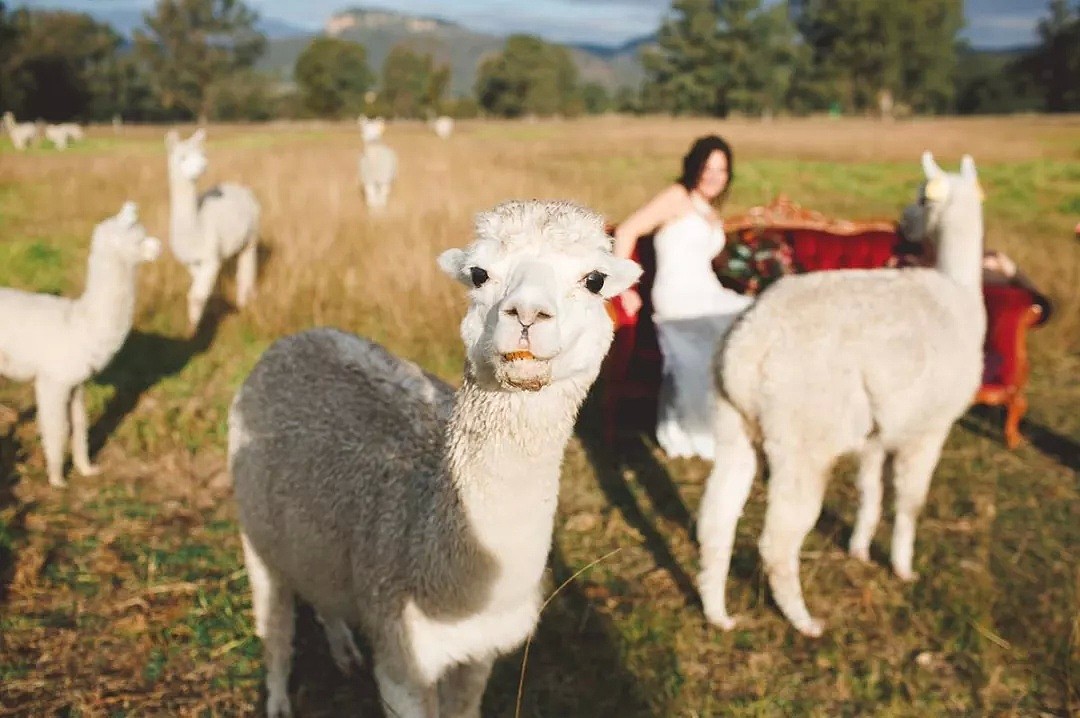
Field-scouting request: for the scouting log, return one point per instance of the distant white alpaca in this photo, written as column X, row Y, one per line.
column 443, row 126
column 63, row 134
column 423, row 518
column 378, row 164
column 22, row 134
column 207, row 229
column 59, row 343
column 875, row 362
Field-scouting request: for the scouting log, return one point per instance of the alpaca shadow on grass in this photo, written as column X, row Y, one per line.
column 145, row 359
column 15, row 528
column 573, row 668
column 989, row 422
column 609, row 463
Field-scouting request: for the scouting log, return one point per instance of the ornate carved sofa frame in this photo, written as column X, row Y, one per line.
column 632, row 370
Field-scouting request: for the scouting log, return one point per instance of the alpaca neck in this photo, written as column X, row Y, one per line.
column 106, row 307
column 183, row 215
column 960, row 243
column 504, row 455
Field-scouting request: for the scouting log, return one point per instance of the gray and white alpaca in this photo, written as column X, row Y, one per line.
column 22, row 134
column 378, row 164
column 206, row 230
column 59, row 343
column 875, row 362
column 421, row 516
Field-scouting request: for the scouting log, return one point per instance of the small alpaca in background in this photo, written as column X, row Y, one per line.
column 63, row 134
column 443, row 126
column 874, row 362
column 378, row 164
column 22, row 134
column 59, row 343
column 207, row 229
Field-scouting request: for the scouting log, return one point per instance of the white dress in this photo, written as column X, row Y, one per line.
column 692, row 310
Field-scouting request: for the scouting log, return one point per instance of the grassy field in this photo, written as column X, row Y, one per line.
column 125, row 594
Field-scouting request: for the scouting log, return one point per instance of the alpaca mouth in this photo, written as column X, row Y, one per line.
column 523, row 370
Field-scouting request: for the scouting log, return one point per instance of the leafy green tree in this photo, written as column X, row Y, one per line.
column 681, row 71
column 189, row 45
column 861, row 48
column 59, row 65
column 720, row 56
column 333, row 76
column 412, row 86
column 1055, row 64
column 595, row 98
column 529, row 76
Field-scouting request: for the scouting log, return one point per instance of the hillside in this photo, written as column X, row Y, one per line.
column 462, row 49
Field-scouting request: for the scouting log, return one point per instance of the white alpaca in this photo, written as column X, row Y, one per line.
column 63, row 134
column 378, row 164
column 423, row 518
column 59, row 343
column 205, row 230
column 876, row 362
column 443, row 126
column 22, row 134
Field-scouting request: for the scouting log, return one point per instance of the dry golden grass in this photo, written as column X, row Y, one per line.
column 126, row 594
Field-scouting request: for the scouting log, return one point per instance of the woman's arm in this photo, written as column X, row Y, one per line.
column 660, row 209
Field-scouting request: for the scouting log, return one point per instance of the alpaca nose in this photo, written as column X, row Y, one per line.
column 529, row 311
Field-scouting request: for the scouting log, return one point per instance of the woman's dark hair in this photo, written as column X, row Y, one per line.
column 694, row 162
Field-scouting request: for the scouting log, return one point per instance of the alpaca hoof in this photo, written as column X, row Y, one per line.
column 89, row 469
column 721, row 620
column 906, row 575
column 812, row 628
column 57, row 481
column 278, row 707
column 862, row 553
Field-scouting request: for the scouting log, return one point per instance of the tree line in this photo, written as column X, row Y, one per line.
column 196, row 58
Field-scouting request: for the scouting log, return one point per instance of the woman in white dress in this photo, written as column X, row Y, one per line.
column 691, row 309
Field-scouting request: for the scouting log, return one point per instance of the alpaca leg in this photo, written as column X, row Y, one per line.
column 796, row 490
column 203, row 277
column 371, row 194
column 461, row 689
column 80, row 443
column 913, row 468
column 342, row 646
column 246, row 270
column 52, row 414
column 725, row 495
column 402, row 695
column 272, row 604
column 871, row 462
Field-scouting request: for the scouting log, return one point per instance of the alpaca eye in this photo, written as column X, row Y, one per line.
column 594, row 281
column 478, row 276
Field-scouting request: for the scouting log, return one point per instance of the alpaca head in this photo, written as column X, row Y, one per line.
column 123, row 237
column 187, row 158
column 538, row 274
column 942, row 194
column 371, row 130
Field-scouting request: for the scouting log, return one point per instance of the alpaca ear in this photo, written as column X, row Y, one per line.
column 930, row 168
column 129, row 214
column 621, row 275
column 967, row 168
column 200, row 135
column 452, row 263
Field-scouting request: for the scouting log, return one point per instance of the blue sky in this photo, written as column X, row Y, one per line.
column 991, row 23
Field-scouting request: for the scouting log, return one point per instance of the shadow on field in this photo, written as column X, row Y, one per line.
column 574, row 668
column 609, row 463
column 13, row 528
column 989, row 422
column 143, row 361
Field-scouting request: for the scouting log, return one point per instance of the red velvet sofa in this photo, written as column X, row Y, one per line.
column 632, row 369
